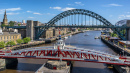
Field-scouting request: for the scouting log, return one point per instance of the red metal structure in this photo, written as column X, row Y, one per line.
column 61, row 51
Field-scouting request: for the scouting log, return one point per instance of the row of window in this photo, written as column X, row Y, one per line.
column 8, row 37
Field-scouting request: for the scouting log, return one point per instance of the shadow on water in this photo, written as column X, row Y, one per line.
column 92, row 70
column 26, row 67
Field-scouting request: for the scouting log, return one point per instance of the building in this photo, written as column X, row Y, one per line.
column 9, row 36
column 23, row 21
column 5, row 20
column 48, row 33
column 57, row 32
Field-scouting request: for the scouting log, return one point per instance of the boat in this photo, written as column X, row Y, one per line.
column 97, row 37
column 69, row 36
column 66, row 37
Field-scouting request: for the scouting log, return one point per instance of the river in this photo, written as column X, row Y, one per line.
column 78, row 40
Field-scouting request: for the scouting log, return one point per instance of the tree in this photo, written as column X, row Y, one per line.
column 11, row 23
column 114, row 35
column 10, row 43
column 26, row 40
column 3, row 25
column 19, row 24
column 19, row 41
column 2, row 44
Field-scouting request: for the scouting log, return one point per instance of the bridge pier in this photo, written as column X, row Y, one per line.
column 128, row 30
column 8, row 63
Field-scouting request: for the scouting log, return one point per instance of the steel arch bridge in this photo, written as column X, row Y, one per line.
column 69, row 17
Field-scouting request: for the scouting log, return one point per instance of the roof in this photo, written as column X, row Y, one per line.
column 125, row 42
column 9, row 33
column 114, row 38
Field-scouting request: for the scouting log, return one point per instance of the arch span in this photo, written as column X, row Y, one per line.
column 79, row 11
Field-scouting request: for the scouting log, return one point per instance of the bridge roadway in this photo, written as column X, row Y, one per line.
column 70, row 26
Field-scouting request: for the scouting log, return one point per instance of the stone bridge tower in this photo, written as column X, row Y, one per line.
column 30, row 29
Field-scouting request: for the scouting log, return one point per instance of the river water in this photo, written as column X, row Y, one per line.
column 78, row 40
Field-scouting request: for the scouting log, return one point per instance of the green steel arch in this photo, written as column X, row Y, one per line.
column 74, row 12
column 79, row 11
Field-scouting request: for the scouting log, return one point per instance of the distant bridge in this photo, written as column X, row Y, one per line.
column 78, row 18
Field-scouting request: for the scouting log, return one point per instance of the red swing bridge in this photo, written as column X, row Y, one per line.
column 60, row 51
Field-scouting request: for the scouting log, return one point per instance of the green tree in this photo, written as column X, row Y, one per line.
column 19, row 24
column 3, row 25
column 11, row 23
column 19, row 41
column 10, row 43
column 2, row 44
column 26, row 40
column 113, row 35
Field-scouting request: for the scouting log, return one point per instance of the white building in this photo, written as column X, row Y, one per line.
column 23, row 21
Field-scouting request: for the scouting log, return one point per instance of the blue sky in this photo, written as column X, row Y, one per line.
column 44, row 10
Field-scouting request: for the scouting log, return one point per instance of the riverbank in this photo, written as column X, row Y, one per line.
column 119, row 50
column 36, row 43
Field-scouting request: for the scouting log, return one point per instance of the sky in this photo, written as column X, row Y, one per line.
column 45, row 10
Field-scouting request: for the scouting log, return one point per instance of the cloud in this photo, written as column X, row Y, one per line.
column 62, row 9
column 79, row 3
column 67, row 8
column 29, row 11
column 127, row 16
column 123, row 16
column 11, row 13
column 114, row 5
column 10, row 9
column 31, row 17
column 55, row 8
column 37, row 13
column 76, row 4
column 50, row 14
column 33, row 12
column 127, row 12
column 13, row 9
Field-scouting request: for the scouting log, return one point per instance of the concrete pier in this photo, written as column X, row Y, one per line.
column 8, row 63
column 53, row 66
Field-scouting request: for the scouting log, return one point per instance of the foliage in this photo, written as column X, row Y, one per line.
column 19, row 41
column 113, row 35
column 123, row 31
column 3, row 25
column 79, row 29
column 10, row 43
column 2, row 44
column 26, row 40
column 11, row 23
column 68, row 32
column 19, row 24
